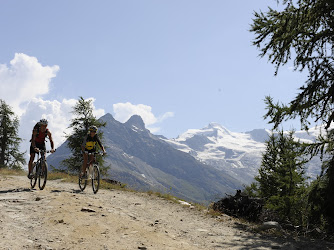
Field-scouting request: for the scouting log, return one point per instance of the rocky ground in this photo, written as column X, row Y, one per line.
column 61, row 217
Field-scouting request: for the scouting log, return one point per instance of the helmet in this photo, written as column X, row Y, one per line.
column 93, row 128
column 43, row 122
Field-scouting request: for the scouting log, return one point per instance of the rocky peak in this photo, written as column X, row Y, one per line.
column 136, row 121
column 107, row 117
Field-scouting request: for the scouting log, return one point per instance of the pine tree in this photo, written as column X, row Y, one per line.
column 281, row 175
column 10, row 157
column 80, row 125
column 303, row 31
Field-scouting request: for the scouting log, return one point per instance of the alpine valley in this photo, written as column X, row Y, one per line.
column 201, row 165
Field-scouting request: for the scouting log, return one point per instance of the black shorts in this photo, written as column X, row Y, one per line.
column 90, row 151
column 40, row 146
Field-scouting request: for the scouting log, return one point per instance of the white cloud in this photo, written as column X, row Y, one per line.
column 123, row 112
column 24, row 80
column 96, row 112
column 166, row 115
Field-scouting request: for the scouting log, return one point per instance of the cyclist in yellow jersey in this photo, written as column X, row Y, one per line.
column 89, row 146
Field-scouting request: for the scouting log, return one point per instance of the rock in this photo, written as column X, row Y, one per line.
column 85, row 209
column 270, row 224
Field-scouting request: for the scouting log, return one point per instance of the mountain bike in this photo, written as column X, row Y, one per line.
column 40, row 170
column 92, row 173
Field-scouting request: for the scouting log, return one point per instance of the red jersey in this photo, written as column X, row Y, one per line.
column 40, row 136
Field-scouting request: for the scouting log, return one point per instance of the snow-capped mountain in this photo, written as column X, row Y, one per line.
column 239, row 154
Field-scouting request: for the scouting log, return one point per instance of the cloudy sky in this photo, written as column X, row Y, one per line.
column 178, row 64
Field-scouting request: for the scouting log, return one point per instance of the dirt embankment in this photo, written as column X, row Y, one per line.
column 61, row 217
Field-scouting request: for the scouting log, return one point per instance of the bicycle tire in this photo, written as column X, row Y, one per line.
column 43, row 175
column 96, row 178
column 82, row 183
column 33, row 180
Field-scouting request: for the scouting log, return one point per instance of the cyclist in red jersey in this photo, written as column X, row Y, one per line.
column 39, row 133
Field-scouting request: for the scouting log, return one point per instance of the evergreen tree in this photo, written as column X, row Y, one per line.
column 10, row 157
column 281, row 175
column 80, row 125
column 303, row 31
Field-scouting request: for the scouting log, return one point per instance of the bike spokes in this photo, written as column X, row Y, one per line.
column 82, row 182
column 95, row 179
column 34, row 179
column 42, row 176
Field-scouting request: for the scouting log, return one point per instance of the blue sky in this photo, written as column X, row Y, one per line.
column 179, row 64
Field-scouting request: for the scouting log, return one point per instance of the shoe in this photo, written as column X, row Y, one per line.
column 30, row 175
column 83, row 176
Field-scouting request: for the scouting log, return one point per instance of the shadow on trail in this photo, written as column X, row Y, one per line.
column 257, row 241
column 15, row 190
column 75, row 191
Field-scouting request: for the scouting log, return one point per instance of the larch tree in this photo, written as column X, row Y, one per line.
column 84, row 118
column 303, row 32
column 10, row 156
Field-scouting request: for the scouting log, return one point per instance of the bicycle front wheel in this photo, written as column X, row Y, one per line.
column 43, row 174
column 34, row 179
column 82, row 183
column 96, row 179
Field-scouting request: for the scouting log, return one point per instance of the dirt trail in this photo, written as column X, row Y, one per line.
column 61, row 217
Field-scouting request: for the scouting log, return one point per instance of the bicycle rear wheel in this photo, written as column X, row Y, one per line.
column 34, row 179
column 96, row 179
column 43, row 174
column 82, row 183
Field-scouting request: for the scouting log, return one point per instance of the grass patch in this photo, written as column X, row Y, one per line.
column 109, row 186
column 65, row 177
column 6, row 171
column 165, row 196
column 73, row 178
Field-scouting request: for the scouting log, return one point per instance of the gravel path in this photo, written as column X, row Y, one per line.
column 61, row 217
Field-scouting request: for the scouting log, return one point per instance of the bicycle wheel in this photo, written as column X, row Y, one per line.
column 43, row 174
column 96, row 179
column 34, row 179
column 82, row 183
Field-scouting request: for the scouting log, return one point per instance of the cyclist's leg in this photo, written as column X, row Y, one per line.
column 84, row 164
column 40, row 146
column 32, row 157
column 91, row 158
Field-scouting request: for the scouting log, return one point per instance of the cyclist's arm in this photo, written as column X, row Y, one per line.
column 100, row 144
column 51, row 140
column 34, row 133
